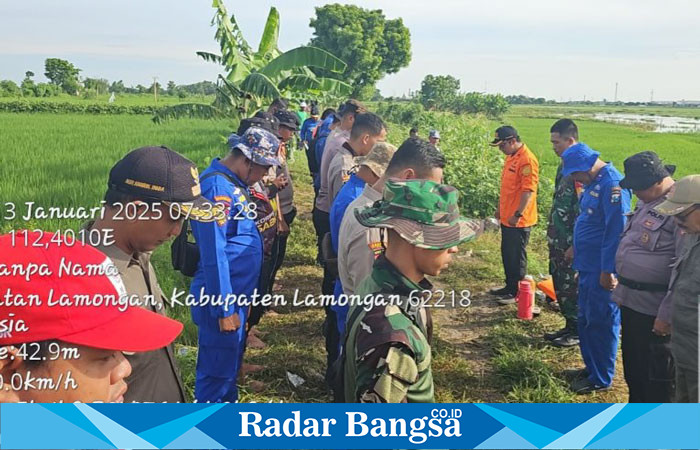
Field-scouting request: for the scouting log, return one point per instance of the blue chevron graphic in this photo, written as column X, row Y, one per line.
column 162, row 435
column 582, row 435
column 73, row 415
column 116, row 433
column 56, row 432
column 531, row 432
column 505, row 439
column 194, row 438
column 682, row 418
column 629, row 413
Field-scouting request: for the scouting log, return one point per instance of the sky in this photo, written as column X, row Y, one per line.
column 557, row 49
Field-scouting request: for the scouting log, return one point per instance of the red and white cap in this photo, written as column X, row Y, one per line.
column 106, row 326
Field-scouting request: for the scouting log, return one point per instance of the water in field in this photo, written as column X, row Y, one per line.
column 659, row 124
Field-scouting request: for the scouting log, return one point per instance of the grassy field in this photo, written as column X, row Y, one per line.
column 481, row 353
column 588, row 110
column 120, row 99
column 614, row 142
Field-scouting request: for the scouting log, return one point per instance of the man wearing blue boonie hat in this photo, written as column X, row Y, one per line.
column 231, row 253
column 597, row 232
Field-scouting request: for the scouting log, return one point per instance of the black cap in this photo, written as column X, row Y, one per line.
column 262, row 119
column 503, row 133
column 161, row 174
column 643, row 170
column 314, row 110
column 288, row 119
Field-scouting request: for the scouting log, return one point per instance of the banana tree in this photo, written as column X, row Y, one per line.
column 253, row 78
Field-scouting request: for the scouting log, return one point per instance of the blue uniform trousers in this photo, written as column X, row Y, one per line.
column 218, row 367
column 598, row 328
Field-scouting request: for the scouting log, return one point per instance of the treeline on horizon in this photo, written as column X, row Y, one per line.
column 64, row 78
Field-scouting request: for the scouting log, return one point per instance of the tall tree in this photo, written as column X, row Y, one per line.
column 62, row 73
column 28, row 86
column 100, row 85
column 436, row 91
column 371, row 45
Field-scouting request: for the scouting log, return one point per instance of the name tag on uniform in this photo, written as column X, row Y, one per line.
column 594, row 194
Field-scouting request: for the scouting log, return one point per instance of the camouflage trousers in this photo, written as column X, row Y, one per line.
column 565, row 285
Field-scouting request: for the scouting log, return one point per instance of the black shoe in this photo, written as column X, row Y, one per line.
column 568, row 340
column 502, row 291
column 556, row 334
column 585, row 386
column 575, row 374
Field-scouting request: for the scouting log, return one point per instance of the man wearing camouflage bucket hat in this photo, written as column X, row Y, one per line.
column 231, row 253
column 387, row 356
column 683, row 203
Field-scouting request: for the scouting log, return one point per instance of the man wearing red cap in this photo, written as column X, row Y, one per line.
column 71, row 350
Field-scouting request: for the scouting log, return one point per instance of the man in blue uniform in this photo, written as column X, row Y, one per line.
column 231, row 252
column 596, row 236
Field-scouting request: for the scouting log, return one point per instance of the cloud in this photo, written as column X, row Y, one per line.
column 534, row 47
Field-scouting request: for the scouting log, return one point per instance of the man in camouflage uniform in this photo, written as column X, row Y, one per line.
column 560, row 237
column 387, row 354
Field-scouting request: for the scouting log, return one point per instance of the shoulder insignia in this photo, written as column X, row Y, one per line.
column 222, row 199
column 527, row 170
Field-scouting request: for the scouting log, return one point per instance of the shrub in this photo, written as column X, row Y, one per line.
column 404, row 113
column 20, row 106
column 472, row 166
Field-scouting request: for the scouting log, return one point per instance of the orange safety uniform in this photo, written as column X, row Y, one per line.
column 520, row 174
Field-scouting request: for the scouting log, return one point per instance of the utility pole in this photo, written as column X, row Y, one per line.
column 616, row 92
column 155, row 89
column 651, row 100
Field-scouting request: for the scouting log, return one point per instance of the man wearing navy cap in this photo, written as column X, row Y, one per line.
column 648, row 247
column 160, row 184
column 231, row 253
column 597, row 233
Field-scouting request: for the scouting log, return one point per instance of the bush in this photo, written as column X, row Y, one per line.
column 9, row 88
column 472, row 166
column 405, row 113
column 66, row 107
column 492, row 105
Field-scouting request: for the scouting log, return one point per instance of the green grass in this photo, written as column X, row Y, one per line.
column 481, row 353
column 614, row 142
column 120, row 99
column 548, row 111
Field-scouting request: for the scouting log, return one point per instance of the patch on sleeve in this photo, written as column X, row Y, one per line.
column 615, row 194
column 226, row 200
column 526, row 170
column 401, row 365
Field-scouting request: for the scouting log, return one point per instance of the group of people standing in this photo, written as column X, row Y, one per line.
column 384, row 222
column 615, row 270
